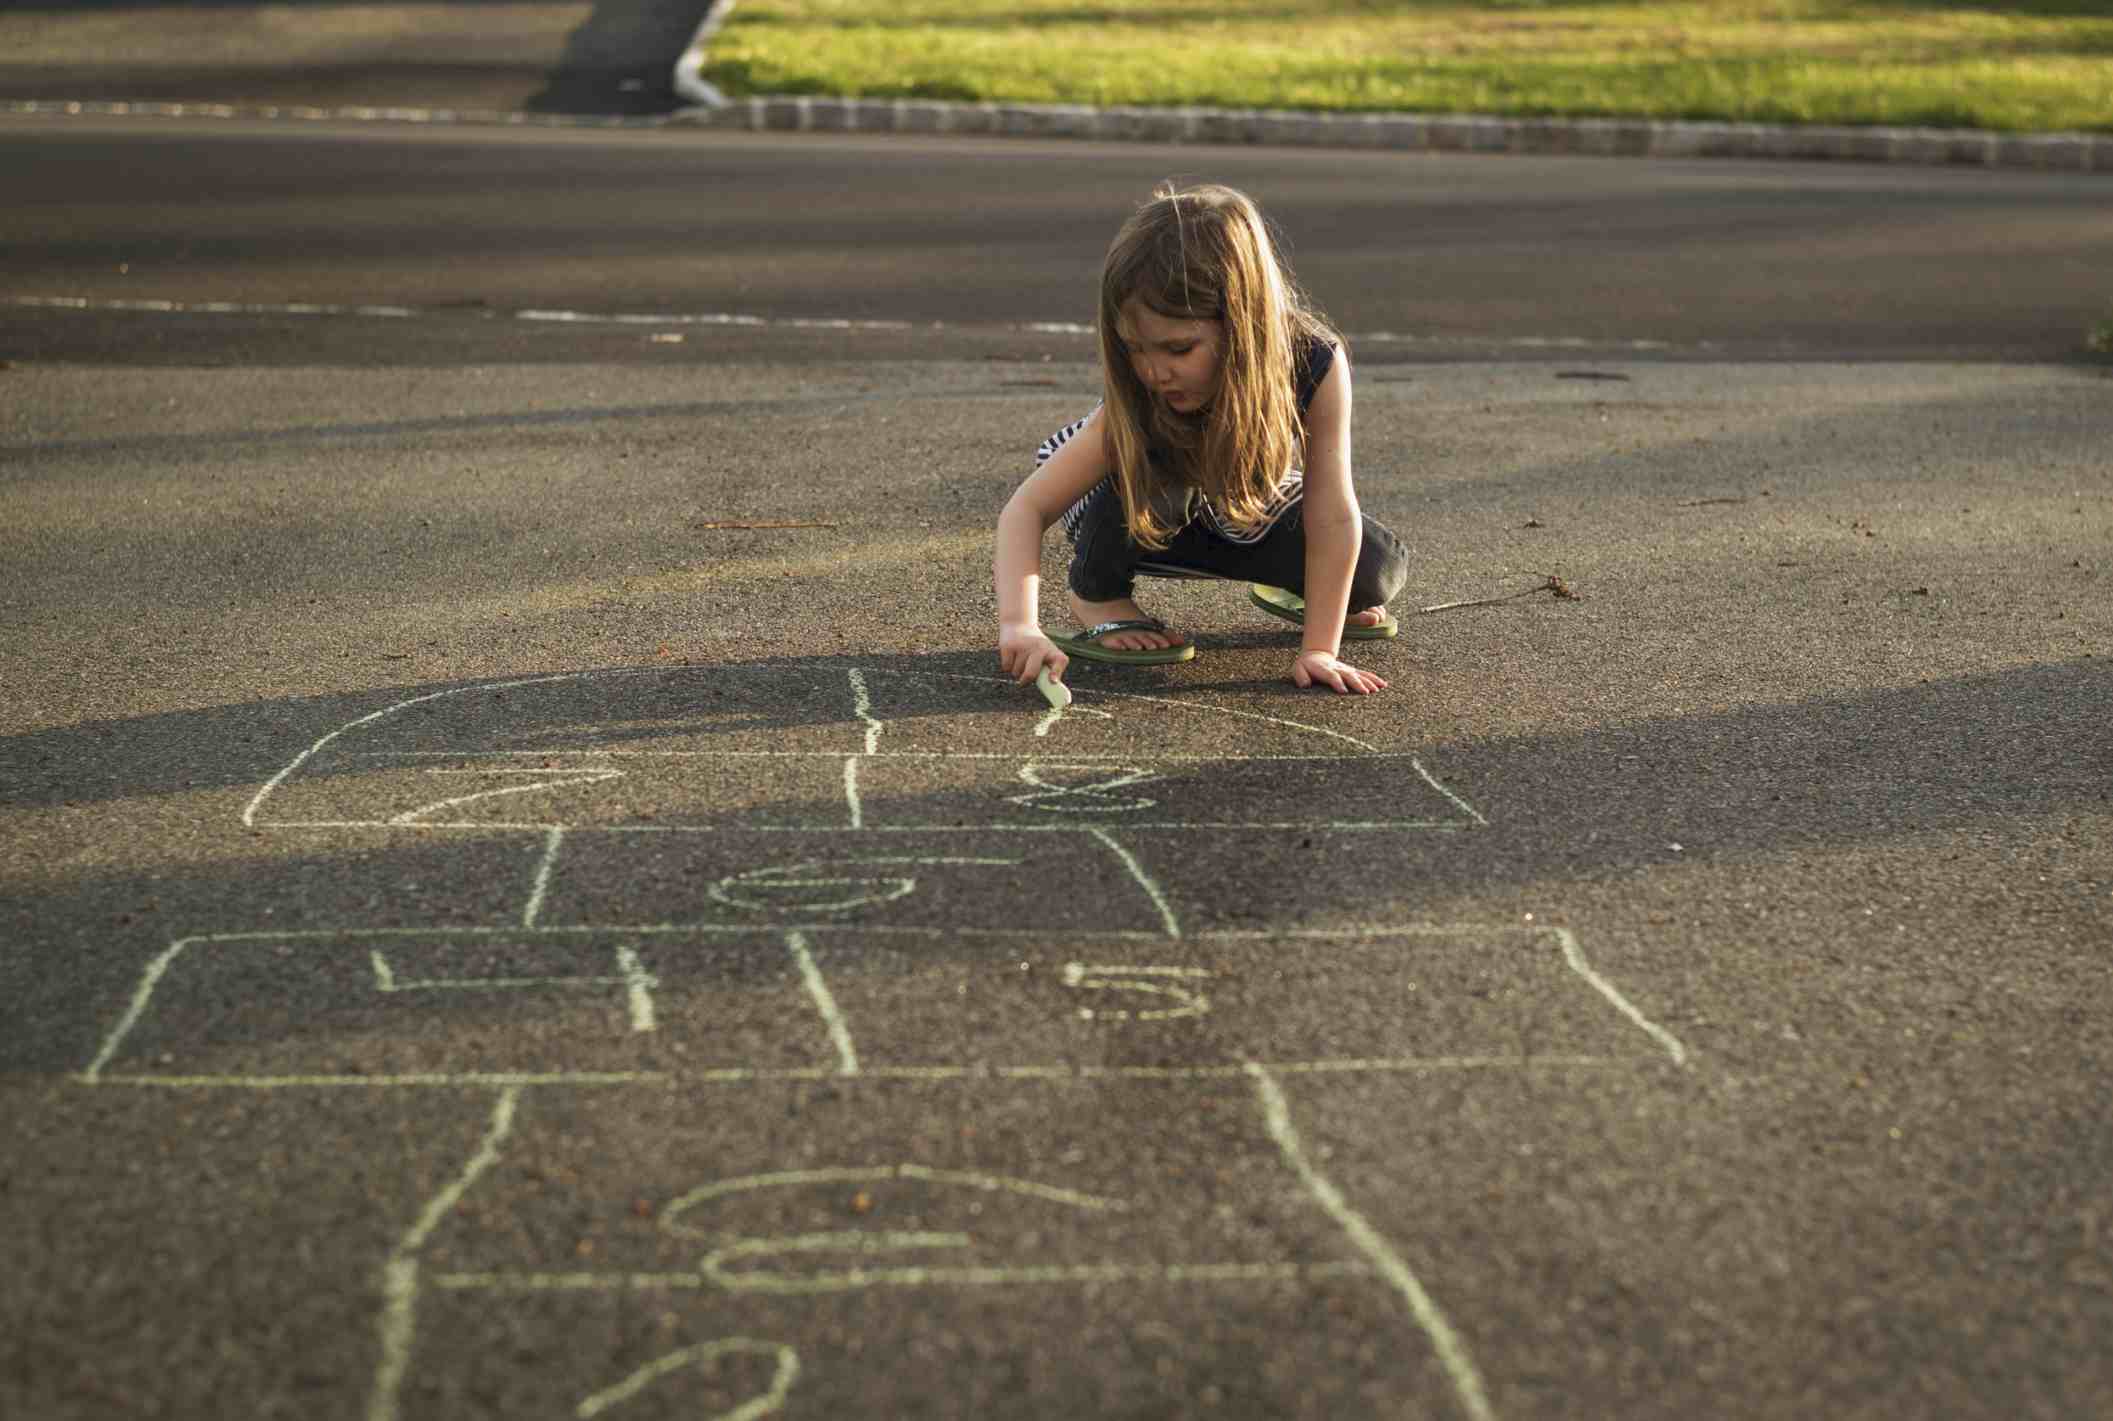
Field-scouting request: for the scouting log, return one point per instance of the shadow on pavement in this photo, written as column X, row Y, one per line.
column 619, row 61
column 1994, row 756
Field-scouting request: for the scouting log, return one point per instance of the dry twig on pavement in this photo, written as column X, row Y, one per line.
column 760, row 523
column 1550, row 583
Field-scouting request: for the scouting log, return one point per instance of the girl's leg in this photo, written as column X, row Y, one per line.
column 1103, row 555
column 1104, row 567
column 1279, row 559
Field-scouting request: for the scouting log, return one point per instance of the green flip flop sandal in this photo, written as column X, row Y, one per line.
column 1086, row 644
column 1292, row 608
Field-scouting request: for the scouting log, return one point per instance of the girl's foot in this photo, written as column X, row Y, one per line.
column 1122, row 609
column 1370, row 617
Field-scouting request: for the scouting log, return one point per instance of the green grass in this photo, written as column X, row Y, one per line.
column 2026, row 67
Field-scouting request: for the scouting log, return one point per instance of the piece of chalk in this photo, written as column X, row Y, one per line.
column 1055, row 692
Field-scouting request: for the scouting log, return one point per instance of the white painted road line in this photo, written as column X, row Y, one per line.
column 726, row 319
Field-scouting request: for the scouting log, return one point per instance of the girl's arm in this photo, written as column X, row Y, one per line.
column 1016, row 566
column 1334, row 536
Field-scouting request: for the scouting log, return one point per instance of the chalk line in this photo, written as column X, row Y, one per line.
column 759, row 880
column 975, row 1277
column 1452, row 1354
column 1575, row 957
column 858, row 810
column 862, row 706
column 560, row 930
column 1075, row 971
column 136, row 1008
column 1103, row 802
column 399, row 1319
column 1458, row 802
column 638, row 987
column 1169, row 701
column 1311, row 826
column 541, row 886
column 1144, row 881
column 1079, row 976
column 249, row 814
column 978, row 1073
column 386, row 980
column 1033, row 1189
column 578, row 777
column 818, row 990
column 442, row 1080
column 783, row 1376
column 671, row 1215
column 1231, row 757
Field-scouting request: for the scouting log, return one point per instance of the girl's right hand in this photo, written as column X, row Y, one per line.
column 1320, row 668
column 1023, row 650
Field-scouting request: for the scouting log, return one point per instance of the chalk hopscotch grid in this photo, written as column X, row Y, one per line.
column 402, row 1281
column 799, row 936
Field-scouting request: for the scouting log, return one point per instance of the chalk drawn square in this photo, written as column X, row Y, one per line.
column 1157, row 791
column 794, row 1212
column 413, row 1007
column 898, row 881
column 1029, row 1170
column 914, row 711
column 1136, row 1006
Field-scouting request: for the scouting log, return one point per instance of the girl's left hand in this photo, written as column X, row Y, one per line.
column 1318, row 668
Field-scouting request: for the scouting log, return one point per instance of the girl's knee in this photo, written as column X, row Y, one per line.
column 1098, row 572
column 1095, row 585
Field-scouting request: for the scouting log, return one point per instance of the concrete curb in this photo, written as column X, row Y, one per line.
column 1414, row 133
column 1406, row 133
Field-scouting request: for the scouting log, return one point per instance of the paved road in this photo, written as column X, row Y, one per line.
column 1450, row 255
column 486, row 937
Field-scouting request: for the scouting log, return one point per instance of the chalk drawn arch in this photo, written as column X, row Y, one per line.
column 728, row 746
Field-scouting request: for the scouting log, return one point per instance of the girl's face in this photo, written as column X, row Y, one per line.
column 1176, row 359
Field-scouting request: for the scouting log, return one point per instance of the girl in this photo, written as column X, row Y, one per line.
column 1220, row 385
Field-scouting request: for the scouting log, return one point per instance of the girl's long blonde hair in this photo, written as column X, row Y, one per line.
column 1203, row 254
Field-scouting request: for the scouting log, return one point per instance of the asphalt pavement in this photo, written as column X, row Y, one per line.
column 527, row 896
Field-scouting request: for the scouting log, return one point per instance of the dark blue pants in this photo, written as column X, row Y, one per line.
column 1105, row 560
